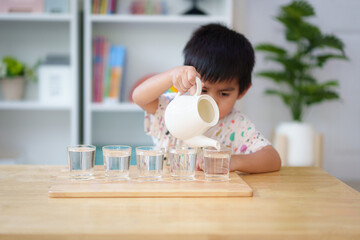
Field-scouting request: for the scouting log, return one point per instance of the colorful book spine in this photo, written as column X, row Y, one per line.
column 98, row 62
column 116, row 66
column 94, row 61
column 108, row 71
column 113, row 6
column 103, row 6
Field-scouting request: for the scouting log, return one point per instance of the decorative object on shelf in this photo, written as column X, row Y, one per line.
column 300, row 89
column 108, row 70
column 12, row 77
column 34, row 6
column 55, row 80
column 57, row 6
column 194, row 10
column 103, row 6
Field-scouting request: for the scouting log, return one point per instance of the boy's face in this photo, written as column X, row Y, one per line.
column 225, row 95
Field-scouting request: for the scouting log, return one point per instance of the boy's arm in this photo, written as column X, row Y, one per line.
column 266, row 159
column 146, row 95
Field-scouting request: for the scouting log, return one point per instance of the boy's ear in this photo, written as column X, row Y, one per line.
column 244, row 92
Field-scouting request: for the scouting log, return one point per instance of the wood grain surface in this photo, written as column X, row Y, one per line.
column 64, row 186
column 293, row 203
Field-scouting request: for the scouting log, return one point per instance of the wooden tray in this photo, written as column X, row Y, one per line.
column 64, row 187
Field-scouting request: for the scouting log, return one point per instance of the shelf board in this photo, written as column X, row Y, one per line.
column 42, row 17
column 120, row 107
column 155, row 18
column 33, row 105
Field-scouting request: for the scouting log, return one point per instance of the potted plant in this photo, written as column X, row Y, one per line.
column 13, row 74
column 298, row 87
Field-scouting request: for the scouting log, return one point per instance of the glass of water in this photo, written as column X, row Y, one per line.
column 217, row 163
column 182, row 163
column 81, row 160
column 117, row 161
column 149, row 161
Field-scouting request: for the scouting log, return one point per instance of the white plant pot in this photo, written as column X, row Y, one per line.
column 13, row 88
column 300, row 143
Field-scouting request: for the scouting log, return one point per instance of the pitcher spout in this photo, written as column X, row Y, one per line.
column 202, row 141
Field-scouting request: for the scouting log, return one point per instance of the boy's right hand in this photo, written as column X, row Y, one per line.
column 183, row 78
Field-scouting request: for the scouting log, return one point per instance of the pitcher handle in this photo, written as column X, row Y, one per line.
column 198, row 88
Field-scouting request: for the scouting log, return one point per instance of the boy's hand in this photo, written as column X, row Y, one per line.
column 183, row 78
column 199, row 164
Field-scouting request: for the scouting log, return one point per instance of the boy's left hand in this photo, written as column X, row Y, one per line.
column 200, row 164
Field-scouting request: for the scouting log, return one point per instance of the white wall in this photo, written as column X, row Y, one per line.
column 338, row 121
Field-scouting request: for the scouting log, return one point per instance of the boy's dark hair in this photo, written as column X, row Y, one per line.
column 220, row 54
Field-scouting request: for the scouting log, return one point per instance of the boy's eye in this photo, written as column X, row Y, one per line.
column 224, row 94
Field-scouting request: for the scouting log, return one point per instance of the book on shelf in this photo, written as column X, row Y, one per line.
column 108, row 71
column 103, row 6
column 142, row 7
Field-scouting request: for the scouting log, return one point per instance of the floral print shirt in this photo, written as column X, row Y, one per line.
column 234, row 130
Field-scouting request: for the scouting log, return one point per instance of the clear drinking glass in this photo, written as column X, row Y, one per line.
column 182, row 163
column 217, row 163
column 117, row 161
column 150, row 162
column 81, row 160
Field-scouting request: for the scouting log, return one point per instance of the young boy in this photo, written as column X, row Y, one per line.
column 223, row 59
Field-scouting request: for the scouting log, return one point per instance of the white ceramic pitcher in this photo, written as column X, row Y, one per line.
column 188, row 117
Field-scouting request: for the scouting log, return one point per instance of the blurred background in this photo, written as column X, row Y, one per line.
column 80, row 61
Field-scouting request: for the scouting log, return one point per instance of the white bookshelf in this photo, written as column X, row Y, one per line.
column 156, row 19
column 153, row 44
column 35, row 17
column 122, row 107
column 32, row 105
column 32, row 132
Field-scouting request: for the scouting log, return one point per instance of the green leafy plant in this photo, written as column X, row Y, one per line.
column 299, row 88
column 11, row 68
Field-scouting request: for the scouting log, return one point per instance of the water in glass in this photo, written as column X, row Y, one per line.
column 182, row 163
column 116, row 164
column 150, row 165
column 216, row 166
column 81, row 162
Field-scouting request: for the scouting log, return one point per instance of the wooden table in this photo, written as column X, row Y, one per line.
column 294, row 203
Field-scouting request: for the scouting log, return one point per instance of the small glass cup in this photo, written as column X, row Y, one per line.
column 217, row 163
column 81, row 160
column 117, row 161
column 149, row 161
column 182, row 163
